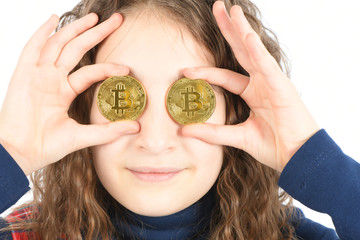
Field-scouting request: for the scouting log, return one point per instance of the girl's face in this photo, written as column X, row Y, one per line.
column 156, row 52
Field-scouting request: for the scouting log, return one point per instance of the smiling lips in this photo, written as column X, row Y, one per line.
column 149, row 174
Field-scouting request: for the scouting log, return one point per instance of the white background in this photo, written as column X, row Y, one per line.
column 321, row 38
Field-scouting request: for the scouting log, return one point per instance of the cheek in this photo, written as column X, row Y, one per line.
column 101, row 160
column 204, row 162
column 108, row 169
column 208, row 161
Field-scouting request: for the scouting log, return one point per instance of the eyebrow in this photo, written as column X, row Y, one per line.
column 176, row 77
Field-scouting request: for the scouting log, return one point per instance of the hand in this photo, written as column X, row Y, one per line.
column 279, row 123
column 34, row 125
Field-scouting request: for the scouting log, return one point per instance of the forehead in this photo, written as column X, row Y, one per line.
column 154, row 44
column 152, row 33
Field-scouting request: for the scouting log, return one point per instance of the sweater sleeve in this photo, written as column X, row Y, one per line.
column 13, row 182
column 326, row 180
column 4, row 235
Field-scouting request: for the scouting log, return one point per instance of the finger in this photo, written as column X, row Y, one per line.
column 241, row 24
column 232, row 35
column 261, row 58
column 97, row 134
column 56, row 43
column 32, row 49
column 73, row 51
column 229, row 135
column 83, row 78
column 227, row 79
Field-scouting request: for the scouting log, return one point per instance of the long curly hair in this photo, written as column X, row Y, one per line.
column 69, row 199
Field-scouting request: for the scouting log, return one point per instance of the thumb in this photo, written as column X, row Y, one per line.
column 229, row 135
column 97, row 134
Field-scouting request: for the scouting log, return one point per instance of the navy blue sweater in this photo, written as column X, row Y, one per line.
column 319, row 175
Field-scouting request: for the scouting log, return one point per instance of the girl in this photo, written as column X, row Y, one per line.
column 153, row 178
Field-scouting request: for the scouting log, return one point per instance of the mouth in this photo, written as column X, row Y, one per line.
column 149, row 174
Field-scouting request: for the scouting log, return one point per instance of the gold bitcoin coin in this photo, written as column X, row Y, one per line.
column 190, row 101
column 121, row 98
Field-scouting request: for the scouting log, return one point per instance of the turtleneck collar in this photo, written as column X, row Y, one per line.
column 190, row 223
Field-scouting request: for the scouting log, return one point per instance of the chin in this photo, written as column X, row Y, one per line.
column 157, row 212
column 158, row 204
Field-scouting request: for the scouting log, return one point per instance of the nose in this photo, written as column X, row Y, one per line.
column 159, row 133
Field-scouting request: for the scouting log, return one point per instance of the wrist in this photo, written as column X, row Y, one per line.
column 298, row 144
column 18, row 158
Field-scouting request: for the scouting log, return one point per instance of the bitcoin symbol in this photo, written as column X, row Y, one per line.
column 190, row 91
column 121, row 97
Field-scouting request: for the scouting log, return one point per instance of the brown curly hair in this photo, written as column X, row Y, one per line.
column 249, row 203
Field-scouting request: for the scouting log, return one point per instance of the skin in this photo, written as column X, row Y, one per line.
column 279, row 122
column 278, row 126
column 152, row 47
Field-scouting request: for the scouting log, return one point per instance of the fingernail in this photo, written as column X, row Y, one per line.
column 122, row 128
column 123, row 68
column 117, row 15
column 191, row 69
column 52, row 16
column 133, row 129
column 259, row 43
column 187, row 130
